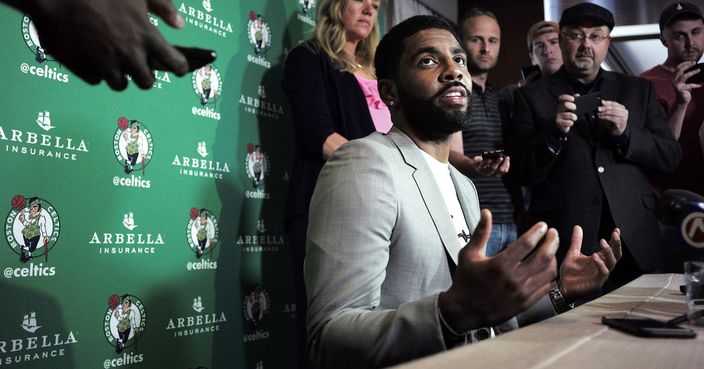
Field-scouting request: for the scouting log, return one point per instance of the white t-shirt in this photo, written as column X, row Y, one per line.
column 441, row 172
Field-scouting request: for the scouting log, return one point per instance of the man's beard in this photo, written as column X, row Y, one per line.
column 428, row 119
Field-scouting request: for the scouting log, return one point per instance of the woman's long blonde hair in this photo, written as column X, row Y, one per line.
column 330, row 36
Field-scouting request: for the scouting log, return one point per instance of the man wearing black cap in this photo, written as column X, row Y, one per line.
column 587, row 164
column 682, row 33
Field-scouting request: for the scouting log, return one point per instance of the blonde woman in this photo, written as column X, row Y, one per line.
column 331, row 87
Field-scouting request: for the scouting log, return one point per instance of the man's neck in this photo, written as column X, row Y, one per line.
column 581, row 77
column 480, row 78
column 438, row 149
column 671, row 64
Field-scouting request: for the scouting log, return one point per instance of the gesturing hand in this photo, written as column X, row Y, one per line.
column 488, row 291
column 107, row 39
column 581, row 275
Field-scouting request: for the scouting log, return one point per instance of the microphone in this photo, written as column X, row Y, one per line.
column 684, row 212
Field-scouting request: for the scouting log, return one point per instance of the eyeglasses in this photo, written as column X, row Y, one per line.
column 578, row 37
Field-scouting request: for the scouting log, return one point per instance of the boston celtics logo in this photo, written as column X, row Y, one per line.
column 202, row 231
column 206, row 84
column 258, row 33
column 32, row 227
column 31, row 39
column 256, row 164
column 256, row 305
column 306, row 5
column 132, row 145
column 124, row 321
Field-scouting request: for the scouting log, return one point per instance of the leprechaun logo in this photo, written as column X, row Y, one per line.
column 258, row 32
column 124, row 321
column 32, row 227
column 256, row 164
column 31, row 39
column 202, row 231
column 133, row 145
column 256, row 305
column 206, row 85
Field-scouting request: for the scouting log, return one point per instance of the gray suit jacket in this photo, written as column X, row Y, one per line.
column 379, row 238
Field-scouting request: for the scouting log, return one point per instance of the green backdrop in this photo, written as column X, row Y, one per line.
column 115, row 253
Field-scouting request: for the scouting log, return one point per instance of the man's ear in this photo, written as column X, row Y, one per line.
column 662, row 39
column 388, row 92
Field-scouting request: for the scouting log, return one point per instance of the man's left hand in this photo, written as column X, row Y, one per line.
column 496, row 167
column 582, row 275
column 614, row 116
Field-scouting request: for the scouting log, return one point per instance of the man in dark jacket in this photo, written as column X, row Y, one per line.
column 588, row 165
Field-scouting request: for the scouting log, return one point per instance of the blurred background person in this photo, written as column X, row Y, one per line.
column 105, row 39
column 481, row 39
column 330, row 84
column 682, row 33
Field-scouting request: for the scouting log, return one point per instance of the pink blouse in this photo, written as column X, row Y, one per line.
column 378, row 110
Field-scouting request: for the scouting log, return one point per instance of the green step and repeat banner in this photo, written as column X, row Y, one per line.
column 143, row 229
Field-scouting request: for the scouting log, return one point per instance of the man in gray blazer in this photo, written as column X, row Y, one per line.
column 388, row 275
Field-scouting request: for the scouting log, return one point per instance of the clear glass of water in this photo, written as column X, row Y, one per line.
column 694, row 280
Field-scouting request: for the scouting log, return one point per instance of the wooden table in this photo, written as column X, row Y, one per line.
column 577, row 339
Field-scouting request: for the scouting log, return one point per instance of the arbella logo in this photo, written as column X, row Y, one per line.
column 193, row 166
column 261, row 242
column 42, row 144
column 205, row 20
column 197, row 324
column 127, row 243
column 260, row 105
column 39, row 346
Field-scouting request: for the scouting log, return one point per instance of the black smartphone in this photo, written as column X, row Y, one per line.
column 699, row 77
column 587, row 103
column 644, row 327
column 196, row 57
column 528, row 70
column 493, row 154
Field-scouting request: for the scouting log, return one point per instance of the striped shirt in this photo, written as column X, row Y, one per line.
column 484, row 132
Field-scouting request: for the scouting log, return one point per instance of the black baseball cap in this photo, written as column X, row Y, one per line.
column 677, row 9
column 587, row 13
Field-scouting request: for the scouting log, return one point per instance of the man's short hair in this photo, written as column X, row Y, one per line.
column 473, row 13
column 391, row 47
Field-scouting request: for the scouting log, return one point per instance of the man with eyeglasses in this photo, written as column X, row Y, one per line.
column 586, row 163
column 682, row 33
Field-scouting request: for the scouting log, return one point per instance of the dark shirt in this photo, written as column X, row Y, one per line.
column 484, row 132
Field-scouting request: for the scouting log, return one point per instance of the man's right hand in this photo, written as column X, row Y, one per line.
column 487, row 291
column 107, row 39
column 565, row 118
column 679, row 82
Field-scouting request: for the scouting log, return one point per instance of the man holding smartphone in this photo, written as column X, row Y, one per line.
column 682, row 33
column 590, row 169
column 481, row 39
